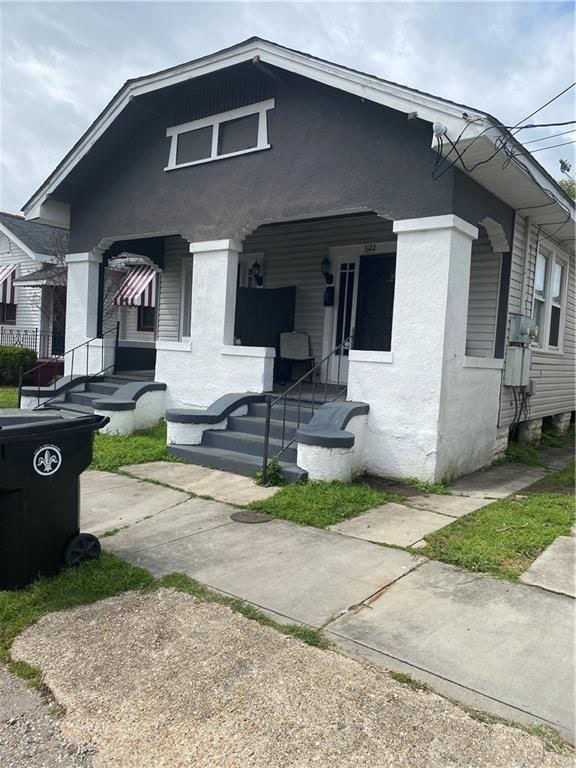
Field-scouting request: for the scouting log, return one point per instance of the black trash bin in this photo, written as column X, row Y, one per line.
column 42, row 455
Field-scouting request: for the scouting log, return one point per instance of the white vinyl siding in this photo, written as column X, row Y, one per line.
column 483, row 299
column 129, row 326
column 293, row 256
column 175, row 248
column 553, row 372
column 28, row 310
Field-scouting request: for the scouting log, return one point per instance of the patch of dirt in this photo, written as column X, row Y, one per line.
column 30, row 730
column 159, row 679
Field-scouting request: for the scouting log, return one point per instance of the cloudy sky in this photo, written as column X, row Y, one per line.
column 62, row 62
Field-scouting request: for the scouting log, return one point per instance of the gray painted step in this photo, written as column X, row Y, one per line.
column 76, row 409
column 229, row 461
column 82, row 398
column 242, row 442
column 102, row 387
column 291, row 414
column 254, row 425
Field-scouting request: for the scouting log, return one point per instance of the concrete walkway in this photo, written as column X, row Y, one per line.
column 484, row 642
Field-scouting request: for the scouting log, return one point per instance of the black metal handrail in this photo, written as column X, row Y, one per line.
column 72, row 351
column 311, row 397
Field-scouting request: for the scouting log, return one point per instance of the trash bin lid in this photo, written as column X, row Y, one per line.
column 15, row 422
column 11, row 416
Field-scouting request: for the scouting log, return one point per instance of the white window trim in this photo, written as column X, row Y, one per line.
column 553, row 257
column 214, row 121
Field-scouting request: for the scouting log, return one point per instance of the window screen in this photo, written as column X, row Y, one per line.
column 194, row 145
column 236, row 135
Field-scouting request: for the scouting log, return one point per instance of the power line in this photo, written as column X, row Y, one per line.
column 545, row 138
column 546, row 104
column 552, row 146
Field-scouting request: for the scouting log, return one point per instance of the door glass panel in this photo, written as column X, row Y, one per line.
column 345, row 300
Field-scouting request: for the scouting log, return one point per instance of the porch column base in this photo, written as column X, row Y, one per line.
column 425, row 420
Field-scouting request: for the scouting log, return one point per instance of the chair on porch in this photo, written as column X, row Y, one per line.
column 294, row 347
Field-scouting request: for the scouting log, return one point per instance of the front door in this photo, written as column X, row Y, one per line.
column 363, row 306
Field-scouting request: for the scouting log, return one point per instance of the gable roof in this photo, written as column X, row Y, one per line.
column 40, row 242
column 465, row 125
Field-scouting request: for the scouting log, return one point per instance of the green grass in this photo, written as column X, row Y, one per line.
column 523, row 453
column 94, row 581
column 426, row 487
column 322, row 504
column 183, row 583
column 8, row 397
column 114, row 451
column 505, row 537
column 101, row 579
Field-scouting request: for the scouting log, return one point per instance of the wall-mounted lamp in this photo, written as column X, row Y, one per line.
column 326, row 267
column 255, row 271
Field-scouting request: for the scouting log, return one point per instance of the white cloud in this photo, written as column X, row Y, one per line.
column 62, row 62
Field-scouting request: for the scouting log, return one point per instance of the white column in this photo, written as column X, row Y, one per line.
column 210, row 365
column 405, row 389
column 82, row 306
column 214, row 292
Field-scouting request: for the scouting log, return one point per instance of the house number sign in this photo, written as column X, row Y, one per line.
column 47, row 460
column 369, row 247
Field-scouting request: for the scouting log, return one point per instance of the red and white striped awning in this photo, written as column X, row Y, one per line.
column 138, row 288
column 7, row 291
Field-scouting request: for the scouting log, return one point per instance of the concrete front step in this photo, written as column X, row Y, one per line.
column 253, row 425
column 292, row 414
column 241, row 442
column 82, row 398
column 231, row 461
column 74, row 408
column 102, row 387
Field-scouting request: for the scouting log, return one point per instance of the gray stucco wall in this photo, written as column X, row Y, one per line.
column 331, row 153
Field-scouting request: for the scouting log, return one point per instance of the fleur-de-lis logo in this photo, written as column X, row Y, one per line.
column 47, row 460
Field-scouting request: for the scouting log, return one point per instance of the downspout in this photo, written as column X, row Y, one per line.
column 527, row 233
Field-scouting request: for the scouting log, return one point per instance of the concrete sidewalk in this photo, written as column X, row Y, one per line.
column 502, row 647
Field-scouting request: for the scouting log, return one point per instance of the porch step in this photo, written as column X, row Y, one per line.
column 66, row 407
column 292, row 413
column 244, row 443
column 102, row 387
column 254, row 425
column 82, row 398
column 232, row 461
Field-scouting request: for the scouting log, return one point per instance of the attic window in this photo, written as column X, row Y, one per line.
column 227, row 134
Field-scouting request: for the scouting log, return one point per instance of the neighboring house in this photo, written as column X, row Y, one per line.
column 32, row 284
column 234, row 187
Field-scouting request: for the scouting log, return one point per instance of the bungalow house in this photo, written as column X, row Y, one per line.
column 32, row 284
column 405, row 254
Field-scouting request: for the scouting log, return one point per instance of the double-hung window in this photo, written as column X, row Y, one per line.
column 217, row 137
column 550, row 282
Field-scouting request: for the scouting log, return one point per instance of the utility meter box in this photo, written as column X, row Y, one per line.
column 517, row 367
column 523, row 329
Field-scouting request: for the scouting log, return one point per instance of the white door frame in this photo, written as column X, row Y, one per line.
column 337, row 255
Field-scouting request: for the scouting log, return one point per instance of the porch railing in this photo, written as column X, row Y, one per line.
column 318, row 394
column 44, row 343
column 79, row 362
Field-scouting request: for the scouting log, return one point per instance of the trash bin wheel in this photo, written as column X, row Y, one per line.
column 81, row 549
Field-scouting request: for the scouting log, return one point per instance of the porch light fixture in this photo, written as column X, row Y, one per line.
column 255, row 271
column 326, row 267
